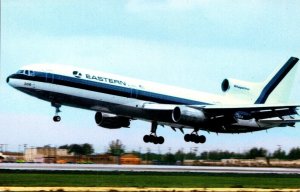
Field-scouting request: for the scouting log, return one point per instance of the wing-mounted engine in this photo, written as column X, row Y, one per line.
column 187, row 116
column 241, row 90
column 111, row 121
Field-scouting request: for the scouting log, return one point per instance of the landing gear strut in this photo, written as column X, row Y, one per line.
column 56, row 118
column 153, row 138
column 194, row 137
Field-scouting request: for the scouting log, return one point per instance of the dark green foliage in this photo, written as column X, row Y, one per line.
column 79, row 149
column 279, row 154
column 294, row 153
column 116, row 148
column 256, row 152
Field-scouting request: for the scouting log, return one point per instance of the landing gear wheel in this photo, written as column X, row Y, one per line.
column 153, row 138
column 57, row 106
column 146, row 138
column 160, row 140
column 56, row 118
column 187, row 138
column 194, row 137
column 202, row 139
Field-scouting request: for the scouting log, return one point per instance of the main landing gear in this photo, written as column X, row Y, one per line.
column 194, row 137
column 153, row 138
column 56, row 118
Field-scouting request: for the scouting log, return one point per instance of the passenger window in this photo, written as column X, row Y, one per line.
column 26, row 72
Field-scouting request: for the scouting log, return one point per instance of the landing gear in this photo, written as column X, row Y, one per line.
column 153, row 138
column 194, row 137
column 56, row 118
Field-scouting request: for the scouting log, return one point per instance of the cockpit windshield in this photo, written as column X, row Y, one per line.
column 26, row 72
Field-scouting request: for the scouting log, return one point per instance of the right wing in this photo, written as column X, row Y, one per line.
column 226, row 114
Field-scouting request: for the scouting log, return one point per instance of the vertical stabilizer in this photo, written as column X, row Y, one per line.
column 277, row 87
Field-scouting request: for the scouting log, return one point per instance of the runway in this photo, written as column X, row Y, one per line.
column 146, row 168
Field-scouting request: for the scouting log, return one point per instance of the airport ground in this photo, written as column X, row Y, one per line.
column 142, row 181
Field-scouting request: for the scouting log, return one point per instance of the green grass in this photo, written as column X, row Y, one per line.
column 133, row 179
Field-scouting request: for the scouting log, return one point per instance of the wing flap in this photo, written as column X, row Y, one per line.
column 279, row 121
column 245, row 107
column 257, row 111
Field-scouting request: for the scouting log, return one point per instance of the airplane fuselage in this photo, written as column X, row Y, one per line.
column 109, row 93
column 117, row 100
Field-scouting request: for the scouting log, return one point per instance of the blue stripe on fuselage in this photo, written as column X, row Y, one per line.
column 107, row 88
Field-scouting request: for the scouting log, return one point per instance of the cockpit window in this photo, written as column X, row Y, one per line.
column 31, row 73
column 20, row 72
column 26, row 72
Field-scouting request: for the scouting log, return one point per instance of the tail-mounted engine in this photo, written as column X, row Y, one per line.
column 243, row 89
column 111, row 121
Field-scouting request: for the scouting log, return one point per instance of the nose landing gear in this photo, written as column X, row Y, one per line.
column 57, row 106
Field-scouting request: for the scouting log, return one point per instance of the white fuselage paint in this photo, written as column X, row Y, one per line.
column 127, row 103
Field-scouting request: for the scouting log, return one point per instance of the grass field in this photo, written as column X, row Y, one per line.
column 134, row 179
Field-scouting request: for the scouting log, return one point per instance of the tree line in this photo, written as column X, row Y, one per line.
column 116, row 148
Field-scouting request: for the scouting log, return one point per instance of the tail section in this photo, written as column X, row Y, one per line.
column 276, row 89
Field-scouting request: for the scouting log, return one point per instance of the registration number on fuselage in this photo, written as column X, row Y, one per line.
column 28, row 84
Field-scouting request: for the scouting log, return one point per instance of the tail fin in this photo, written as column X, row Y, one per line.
column 277, row 87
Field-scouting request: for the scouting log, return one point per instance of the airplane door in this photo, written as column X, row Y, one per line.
column 49, row 78
column 134, row 93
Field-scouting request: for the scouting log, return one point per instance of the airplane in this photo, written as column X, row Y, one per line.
column 243, row 107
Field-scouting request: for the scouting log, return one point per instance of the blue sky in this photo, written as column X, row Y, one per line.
column 191, row 44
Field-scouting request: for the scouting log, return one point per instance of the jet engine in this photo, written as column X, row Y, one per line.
column 237, row 85
column 241, row 89
column 187, row 115
column 111, row 121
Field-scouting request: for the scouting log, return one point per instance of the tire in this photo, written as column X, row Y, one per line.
column 187, row 137
column 56, row 118
column 202, row 139
column 146, row 138
column 161, row 140
column 194, row 138
column 152, row 138
column 155, row 140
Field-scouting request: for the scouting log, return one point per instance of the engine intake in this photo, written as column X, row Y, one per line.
column 111, row 121
column 225, row 85
column 187, row 115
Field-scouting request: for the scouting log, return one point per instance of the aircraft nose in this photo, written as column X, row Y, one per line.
column 8, row 79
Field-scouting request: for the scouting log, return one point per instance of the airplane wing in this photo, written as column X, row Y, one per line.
column 257, row 111
column 265, row 115
column 229, row 114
